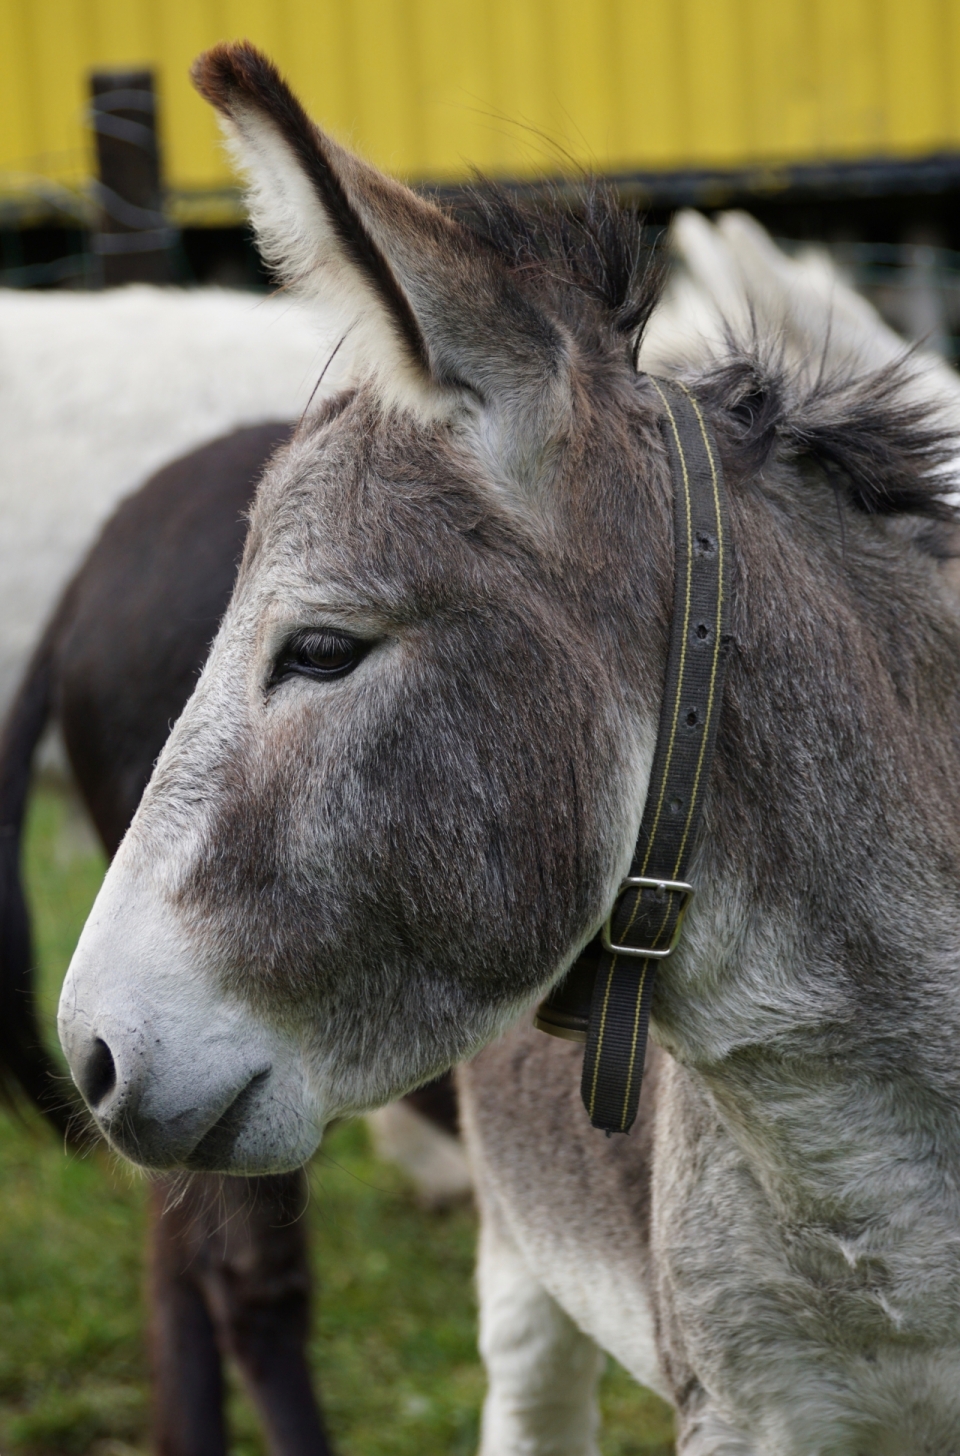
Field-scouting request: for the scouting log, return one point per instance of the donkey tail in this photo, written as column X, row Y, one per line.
column 25, row 1064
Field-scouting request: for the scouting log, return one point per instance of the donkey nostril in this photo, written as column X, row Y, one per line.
column 99, row 1075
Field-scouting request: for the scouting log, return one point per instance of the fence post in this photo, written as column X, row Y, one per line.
column 133, row 241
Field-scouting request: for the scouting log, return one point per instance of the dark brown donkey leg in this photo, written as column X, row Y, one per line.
column 187, row 1380
column 260, row 1297
column 242, row 1284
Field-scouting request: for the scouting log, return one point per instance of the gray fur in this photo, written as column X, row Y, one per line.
column 386, row 870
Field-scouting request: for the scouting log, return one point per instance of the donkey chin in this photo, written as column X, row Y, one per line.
column 176, row 1072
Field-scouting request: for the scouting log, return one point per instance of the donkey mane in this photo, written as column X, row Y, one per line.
column 887, row 452
column 597, row 248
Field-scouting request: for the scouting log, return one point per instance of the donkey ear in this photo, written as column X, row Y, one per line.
column 429, row 308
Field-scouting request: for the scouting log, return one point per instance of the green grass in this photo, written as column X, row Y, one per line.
column 394, row 1343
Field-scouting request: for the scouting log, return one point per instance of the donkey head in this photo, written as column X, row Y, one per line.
column 410, row 778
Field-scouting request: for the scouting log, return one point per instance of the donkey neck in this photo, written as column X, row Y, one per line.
column 818, row 989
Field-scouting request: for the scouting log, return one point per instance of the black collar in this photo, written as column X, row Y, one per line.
column 604, row 1000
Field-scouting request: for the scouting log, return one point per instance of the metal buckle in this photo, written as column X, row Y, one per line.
column 647, row 953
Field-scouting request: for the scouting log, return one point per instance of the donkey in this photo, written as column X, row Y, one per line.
column 408, row 785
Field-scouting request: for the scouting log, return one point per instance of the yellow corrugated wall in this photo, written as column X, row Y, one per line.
column 428, row 87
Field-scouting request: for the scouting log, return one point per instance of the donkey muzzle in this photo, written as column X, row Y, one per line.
column 176, row 1072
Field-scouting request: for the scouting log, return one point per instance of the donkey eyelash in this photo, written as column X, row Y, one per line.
column 318, row 652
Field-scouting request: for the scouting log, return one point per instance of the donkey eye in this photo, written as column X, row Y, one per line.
column 318, row 653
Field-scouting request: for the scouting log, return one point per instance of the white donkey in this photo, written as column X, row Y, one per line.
column 405, row 793
column 98, row 390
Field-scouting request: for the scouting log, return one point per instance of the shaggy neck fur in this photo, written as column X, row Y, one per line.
column 815, row 1005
